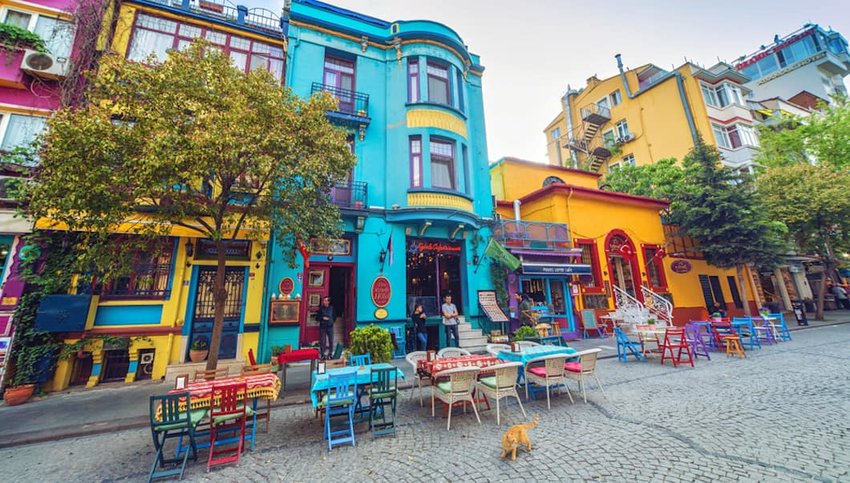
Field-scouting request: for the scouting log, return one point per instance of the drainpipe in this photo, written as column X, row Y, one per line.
column 568, row 116
column 679, row 83
column 516, row 210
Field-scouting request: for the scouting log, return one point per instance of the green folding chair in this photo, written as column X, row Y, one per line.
column 383, row 393
column 173, row 423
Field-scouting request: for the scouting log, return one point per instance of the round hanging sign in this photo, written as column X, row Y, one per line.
column 287, row 285
column 381, row 291
column 681, row 266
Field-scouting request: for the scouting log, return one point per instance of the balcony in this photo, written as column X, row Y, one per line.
column 532, row 235
column 595, row 114
column 260, row 19
column 353, row 107
column 351, row 195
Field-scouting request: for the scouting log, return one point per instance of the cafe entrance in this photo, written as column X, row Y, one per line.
column 433, row 271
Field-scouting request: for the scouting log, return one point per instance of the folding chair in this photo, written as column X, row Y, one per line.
column 588, row 323
column 173, row 423
column 626, row 346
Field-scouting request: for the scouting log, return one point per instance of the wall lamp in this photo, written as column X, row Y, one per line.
column 382, row 256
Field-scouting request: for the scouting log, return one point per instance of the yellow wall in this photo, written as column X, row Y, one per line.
column 512, row 178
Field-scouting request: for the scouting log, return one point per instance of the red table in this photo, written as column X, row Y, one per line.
column 433, row 367
column 299, row 355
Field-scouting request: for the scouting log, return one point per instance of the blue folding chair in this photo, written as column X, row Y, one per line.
column 745, row 328
column 784, row 333
column 625, row 346
column 360, row 360
column 339, row 403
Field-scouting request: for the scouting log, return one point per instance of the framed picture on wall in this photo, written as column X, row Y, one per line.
column 316, row 278
column 284, row 312
column 315, row 300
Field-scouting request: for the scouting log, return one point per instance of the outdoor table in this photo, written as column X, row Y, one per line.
column 533, row 352
column 770, row 322
column 300, row 355
column 433, row 367
column 260, row 386
column 364, row 378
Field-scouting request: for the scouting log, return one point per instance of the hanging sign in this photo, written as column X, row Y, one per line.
column 681, row 266
column 381, row 291
column 490, row 306
column 287, row 285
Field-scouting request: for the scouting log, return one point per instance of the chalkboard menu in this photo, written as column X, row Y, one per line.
column 429, row 303
column 490, row 305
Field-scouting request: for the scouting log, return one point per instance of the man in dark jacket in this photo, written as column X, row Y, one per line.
column 325, row 316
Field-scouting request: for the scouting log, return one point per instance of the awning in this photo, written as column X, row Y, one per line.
column 555, row 269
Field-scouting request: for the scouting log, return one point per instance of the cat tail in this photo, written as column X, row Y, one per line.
column 533, row 422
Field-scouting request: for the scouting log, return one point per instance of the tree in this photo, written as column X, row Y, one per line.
column 719, row 210
column 194, row 143
column 663, row 180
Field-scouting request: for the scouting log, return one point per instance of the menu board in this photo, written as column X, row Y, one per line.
column 487, row 301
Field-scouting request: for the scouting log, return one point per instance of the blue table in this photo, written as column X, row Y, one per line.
column 533, row 352
column 364, row 377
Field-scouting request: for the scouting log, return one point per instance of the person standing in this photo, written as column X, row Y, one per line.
column 450, row 321
column 841, row 298
column 326, row 317
column 524, row 309
column 419, row 317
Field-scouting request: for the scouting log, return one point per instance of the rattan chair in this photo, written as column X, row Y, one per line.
column 494, row 349
column 452, row 352
column 413, row 359
column 547, row 371
column 457, row 389
column 501, row 385
column 585, row 369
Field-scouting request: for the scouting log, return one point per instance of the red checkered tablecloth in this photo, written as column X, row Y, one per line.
column 264, row 386
column 433, row 367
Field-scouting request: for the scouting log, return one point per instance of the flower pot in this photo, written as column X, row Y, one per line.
column 198, row 356
column 18, row 395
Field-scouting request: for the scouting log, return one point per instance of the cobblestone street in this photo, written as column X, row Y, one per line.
column 781, row 414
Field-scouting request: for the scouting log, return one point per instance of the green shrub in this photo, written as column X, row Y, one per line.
column 525, row 332
column 372, row 340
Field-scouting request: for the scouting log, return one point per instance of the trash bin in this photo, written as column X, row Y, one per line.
column 799, row 312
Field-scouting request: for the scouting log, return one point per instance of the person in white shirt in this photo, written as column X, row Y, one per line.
column 450, row 321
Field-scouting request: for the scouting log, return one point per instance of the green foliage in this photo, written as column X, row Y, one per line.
column 200, row 345
column 662, row 180
column 372, row 340
column 498, row 277
column 525, row 332
column 276, row 349
column 13, row 38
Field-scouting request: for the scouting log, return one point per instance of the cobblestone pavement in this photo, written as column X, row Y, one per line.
column 781, row 414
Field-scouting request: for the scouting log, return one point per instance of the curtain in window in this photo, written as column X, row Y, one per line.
column 57, row 34
column 18, row 19
column 441, row 174
column 22, row 130
column 146, row 42
column 438, row 84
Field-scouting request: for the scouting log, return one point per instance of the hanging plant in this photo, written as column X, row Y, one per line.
column 14, row 39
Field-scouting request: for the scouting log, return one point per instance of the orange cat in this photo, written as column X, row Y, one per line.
column 515, row 436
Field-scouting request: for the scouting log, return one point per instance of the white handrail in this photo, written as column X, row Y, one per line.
column 630, row 308
column 657, row 305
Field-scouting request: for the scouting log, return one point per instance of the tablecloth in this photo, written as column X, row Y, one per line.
column 263, row 386
column 433, row 367
column 364, row 377
column 534, row 352
column 298, row 356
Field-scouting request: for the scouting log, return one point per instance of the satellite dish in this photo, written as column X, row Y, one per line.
column 39, row 61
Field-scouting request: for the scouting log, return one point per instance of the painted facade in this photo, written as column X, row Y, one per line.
column 27, row 98
column 167, row 303
column 415, row 206
column 803, row 67
column 646, row 114
column 600, row 224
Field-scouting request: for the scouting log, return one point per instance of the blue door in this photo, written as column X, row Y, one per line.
column 204, row 312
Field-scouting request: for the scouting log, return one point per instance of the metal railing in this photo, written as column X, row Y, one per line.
column 258, row 18
column 595, row 113
column 629, row 308
column 532, row 234
column 658, row 306
column 351, row 195
column 350, row 102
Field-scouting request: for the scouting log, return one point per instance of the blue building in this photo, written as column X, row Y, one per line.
column 417, row 204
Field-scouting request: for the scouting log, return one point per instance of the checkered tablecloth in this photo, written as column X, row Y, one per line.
column 433, row 367
column 263, row 386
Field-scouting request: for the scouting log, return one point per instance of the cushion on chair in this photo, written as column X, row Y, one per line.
column 381, row 395
column 194, row 416
column 538, row 371
column 572, row 366
column 489, row 381
column 224, row 418
column 445, row 386
column 341, row 402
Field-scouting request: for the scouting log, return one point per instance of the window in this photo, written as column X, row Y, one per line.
column 416, row 162
column 629, row 159
column 148, row 277
column 556, row 133
column 438, row 83
column 797, row 51
column 603, row 102
column 552, row 180
column 338, row 78
column 591, row 283
column 722, row 95
column 733, row 289
column 19, row 130
column 155, row 36
column 613, row 166
column 459, row 84
column 734, row 136
column 609, row 138
column 58, row 34
column 467, row 175
column 18, row 19
column 623, row 130
column 720, row 136
column 442, row 164
column 616, row 98
column 654, row 268
column 413, row 80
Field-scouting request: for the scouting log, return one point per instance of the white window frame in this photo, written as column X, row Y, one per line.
column 604, row 102
column 629, row 159
column 6, row 117
column 615, row 98
column 746, row 133
column 34, row 16
column 613, row 139
column 556, row 133
column 712, row 94
column 622, row 129
column 613, row 166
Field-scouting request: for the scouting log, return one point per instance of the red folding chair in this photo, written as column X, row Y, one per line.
column 228, row 413
column 674, row 338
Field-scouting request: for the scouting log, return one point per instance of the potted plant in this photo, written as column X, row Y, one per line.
column 199, row 351
column 372, row 340
column 651, row 321
column 525, row 332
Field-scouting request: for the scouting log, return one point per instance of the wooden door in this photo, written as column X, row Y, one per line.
column 316, row 283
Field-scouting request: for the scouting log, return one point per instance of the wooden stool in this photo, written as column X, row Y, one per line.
column 733, row 346
column 556, row 329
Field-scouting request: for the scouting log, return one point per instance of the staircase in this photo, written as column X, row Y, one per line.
column 471, row 339
column 658, row 306
column 634, row 312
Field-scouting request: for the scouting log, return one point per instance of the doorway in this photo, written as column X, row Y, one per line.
column 337, row 282
column 203, row 314
column 622, row 264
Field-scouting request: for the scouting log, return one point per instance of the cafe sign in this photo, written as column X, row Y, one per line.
column 681, row 266
column 287, row 285
column 437, row 247
column 381, row 291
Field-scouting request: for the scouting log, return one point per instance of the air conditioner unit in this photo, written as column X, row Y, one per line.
column 44, row 65
column 146, row 358
column 625, row 139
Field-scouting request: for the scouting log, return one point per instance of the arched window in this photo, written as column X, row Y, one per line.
column 552, row 180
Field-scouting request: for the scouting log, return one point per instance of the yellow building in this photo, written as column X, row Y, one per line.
column 153, row 316
column 640, row 116
column 620, row 236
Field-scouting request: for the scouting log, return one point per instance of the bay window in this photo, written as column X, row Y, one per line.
column 722, row 95
column 442, row 164
column 735, row 136
column 413, row 80
column 438, row 83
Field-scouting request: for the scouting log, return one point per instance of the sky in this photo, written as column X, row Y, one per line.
column 533, row 49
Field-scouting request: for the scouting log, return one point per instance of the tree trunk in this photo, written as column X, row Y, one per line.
column 219, row 298
column 743, row 284
column 821, row 295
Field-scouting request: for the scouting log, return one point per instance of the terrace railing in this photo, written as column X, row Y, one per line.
column 533, row 235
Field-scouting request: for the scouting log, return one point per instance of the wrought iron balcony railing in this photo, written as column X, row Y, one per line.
column 351, row 195
column 595, row 114
column 258, row 18
column 532, row 234
column 350, row 102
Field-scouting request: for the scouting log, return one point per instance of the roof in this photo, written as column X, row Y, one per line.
column 525, row 162
column 613, row 196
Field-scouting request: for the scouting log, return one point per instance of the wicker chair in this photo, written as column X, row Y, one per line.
column 547, row 371
column 494, row 349
column 413, row 359
column 502, row 384
column 457, row 389
column 452, row 352
column 526, row 343
column 585, row 369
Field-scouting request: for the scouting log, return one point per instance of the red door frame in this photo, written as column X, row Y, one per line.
column 633, row 263
column 308, row 334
